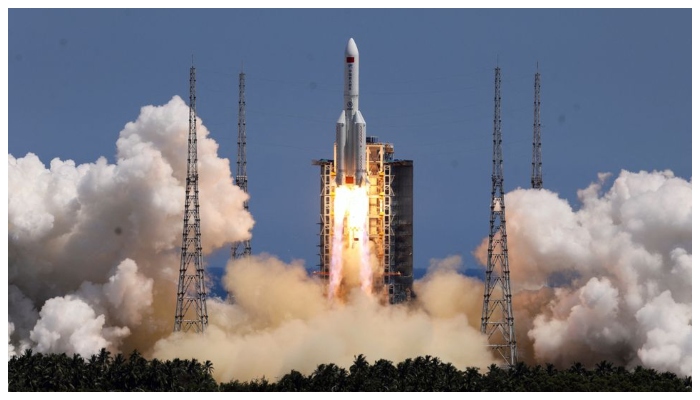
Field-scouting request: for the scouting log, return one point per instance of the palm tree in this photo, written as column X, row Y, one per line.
column 328, row 378
column 117, row 374
column 472, row 380
column 359, row 372
column 519, row 375
column 604, row 368
column 551, row 370
column 578, row 368
column 293, row 382
column 208, row 367
column 383, row 376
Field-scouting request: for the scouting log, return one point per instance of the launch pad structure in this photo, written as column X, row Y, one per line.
column 241, row 249
column 390, row 219
column 497, row 321
column 191, row 303
column 537, row 137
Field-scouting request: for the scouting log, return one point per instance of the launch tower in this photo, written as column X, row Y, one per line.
column 497, row 313
column 191, row 309
column 536, row 142
column 242, row 248
column 390, row 219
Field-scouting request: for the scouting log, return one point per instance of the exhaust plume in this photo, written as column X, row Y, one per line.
column 94, row 257
column 93, row 248
column 609, row 281
column 282, row 321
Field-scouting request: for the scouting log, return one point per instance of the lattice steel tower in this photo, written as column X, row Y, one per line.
column 241, row 249
column 497, row 313
column 536, row 142
column 191, row 309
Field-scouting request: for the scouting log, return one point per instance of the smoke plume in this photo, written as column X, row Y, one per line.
column 92, row 249
column 94, row 255
column 93, row 262
column 282, row 321
column 609, row 281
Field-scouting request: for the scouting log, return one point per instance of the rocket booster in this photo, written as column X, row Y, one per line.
column 350, row 130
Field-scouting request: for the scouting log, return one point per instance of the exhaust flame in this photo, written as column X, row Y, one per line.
column 351, row 249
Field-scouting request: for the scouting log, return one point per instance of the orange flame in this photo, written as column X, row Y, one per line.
column 351, row 252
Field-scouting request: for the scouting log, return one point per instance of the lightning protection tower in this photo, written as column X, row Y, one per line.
column 497, row 313
column 536, row 142
column 191, row 309
column 242, row 248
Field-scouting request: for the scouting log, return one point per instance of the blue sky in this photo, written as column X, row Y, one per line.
column 616, row 94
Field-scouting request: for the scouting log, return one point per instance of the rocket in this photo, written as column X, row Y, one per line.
column 350, row 130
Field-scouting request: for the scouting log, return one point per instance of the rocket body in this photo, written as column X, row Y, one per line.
column 350, row 131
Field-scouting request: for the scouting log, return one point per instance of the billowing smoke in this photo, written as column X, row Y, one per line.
column 282, row 321
column 609, row 281
column 93, row 248
column 94, row 255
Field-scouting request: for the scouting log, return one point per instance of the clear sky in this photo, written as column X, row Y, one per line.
column 616, row 94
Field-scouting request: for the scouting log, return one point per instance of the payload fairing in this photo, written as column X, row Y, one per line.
column 350, row 130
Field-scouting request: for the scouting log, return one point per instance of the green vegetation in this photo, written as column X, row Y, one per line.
column 104, row 372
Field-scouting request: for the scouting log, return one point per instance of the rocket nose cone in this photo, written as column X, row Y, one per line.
column 351, row 49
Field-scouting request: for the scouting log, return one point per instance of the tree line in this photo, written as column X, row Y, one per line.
column 105, row 372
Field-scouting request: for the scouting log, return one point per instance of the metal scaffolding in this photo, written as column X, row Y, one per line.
column 388, row 239
column 402, row 231
column 242, row 248
column 191, row 308
column 390, row 210
column 326, row 222
column 536, row 140
column 497, row 313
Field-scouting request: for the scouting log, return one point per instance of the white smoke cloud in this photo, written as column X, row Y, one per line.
column 668, row 334
column 101, row 240
column 126, row 297
column 129, row 293
column 445, row 293
column 69, row 325
column 282, row 321
column 620, row 267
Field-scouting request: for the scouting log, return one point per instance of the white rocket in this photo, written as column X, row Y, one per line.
column 350, row 130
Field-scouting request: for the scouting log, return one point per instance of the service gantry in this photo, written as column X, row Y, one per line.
column 497, row 313
column 536, row 140
column 191, row 309
column 241, row 248
column 389, row 221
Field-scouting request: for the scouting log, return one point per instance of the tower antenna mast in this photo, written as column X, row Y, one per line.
column 536, row 139
column 191, row 309
column 497, row 313
column 242, row 248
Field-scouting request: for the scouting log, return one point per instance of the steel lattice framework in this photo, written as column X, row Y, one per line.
column 191, row 309
column 242, row 248
column 536, row 142
column 497, row 313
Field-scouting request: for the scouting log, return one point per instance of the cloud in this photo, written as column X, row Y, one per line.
column 102, row 239
column 602, row 269
column 282, row 321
